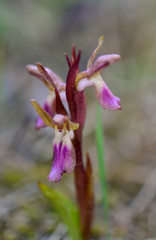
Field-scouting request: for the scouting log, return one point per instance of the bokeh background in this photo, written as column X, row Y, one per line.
column 43, row 30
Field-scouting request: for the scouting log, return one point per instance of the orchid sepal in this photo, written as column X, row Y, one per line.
column 39, row 70
column 90, row 61
column 49, row 107
column 45, row 116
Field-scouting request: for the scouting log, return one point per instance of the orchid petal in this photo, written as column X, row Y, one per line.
column 56, row 170
column 83, row 83
column 103, row 61
column 56, row 79
column 104, row 96
column 68, row 157
column 64, row 158
column 33, row 70
column 40, row 70
column 63, row 96
column 80, row 76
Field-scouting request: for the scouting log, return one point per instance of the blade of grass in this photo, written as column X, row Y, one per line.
column 102, row 169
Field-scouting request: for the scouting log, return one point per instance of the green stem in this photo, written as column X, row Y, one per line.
column 102, row 169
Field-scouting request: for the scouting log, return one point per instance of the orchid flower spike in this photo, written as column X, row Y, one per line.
column 64, row 159
column 92, row 77
column 54, row 114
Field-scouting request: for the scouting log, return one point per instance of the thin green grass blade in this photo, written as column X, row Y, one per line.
column 102, row 168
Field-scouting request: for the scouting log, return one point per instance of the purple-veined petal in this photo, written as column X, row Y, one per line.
column 64, row 159
column 56, row 171
column 68, row 157
column 57, row 168
column 104, row 95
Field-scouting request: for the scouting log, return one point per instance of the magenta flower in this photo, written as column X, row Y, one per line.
column 57, row 167
column 92, row 77
column 53, row 114
column 64, row 159
column 50, row 103
column 68, row 127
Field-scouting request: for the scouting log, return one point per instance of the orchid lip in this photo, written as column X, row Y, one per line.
column 64, row 159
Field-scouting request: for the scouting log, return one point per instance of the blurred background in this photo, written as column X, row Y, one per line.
column 43, row 30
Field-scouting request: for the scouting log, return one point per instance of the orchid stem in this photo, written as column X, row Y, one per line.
column 84, row 188
column 80, row 183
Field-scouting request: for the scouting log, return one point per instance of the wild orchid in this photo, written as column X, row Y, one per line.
column 68, row 127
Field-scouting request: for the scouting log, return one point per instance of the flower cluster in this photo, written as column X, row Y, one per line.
column 54, row 114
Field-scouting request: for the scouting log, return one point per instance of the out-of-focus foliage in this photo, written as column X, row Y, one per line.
column 65, row 209
column 42, row 30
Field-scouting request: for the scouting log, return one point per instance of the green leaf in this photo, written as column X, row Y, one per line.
column 66, row 210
